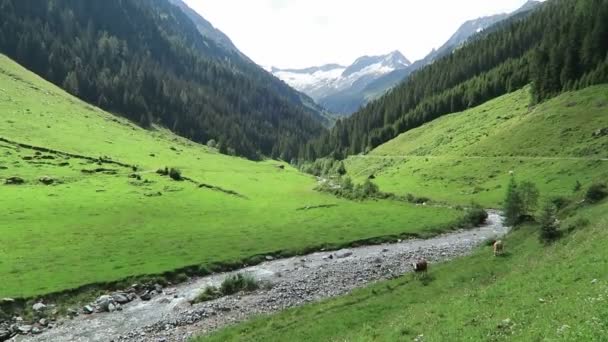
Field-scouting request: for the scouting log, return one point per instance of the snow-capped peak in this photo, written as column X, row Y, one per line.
column 325, row 80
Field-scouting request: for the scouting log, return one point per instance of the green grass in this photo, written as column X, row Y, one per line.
column 539, row 288
column 545, row 292
column 98, row 227
column 468, row 156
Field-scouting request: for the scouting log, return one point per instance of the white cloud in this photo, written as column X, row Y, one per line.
column 302, row 33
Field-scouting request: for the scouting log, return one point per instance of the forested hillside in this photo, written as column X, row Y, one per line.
column 147, row 61
column 562, row 46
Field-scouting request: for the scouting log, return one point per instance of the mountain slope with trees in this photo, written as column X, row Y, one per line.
column 148, row 61
column 561, row 46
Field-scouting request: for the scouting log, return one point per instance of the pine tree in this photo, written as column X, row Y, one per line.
column 513, row 208
column 549, row 225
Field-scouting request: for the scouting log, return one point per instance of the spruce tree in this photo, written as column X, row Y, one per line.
column 513, row 207
column 549, row 226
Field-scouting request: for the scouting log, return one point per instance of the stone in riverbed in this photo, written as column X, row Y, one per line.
column 343, row 254
column 4, row 334
column 88, row 309
column 103, row 303
column 24, row 329
column 121, row 298
column 39, row 307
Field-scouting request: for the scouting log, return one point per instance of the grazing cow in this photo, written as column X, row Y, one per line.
column 498, row 247
column 420, row 266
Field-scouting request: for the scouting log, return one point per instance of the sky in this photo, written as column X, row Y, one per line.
column 305, row 33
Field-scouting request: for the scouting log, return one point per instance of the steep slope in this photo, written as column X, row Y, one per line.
column 338, row 87
column 464, row 33
column 106, row 214
column 522, row 51
column 242, row 61
column 148, row 61
column 326, row 84
column 468, row 156
column 207, row 29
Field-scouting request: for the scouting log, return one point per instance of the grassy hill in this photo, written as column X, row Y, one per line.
column 535, row 291
column 469, row 156
column 104, row 219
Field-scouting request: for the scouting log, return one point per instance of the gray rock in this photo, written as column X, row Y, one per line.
column 158, row 288
column 111, row 307
column 343, row 254
column 269, row 258
column 5, row 334
column 121, row 298
column 24, row 329
column 103, row 303
column 36, row 331
column 43, row 322
column 88, row 309
column 38, row 307
column 146, row 296
column 7, row 301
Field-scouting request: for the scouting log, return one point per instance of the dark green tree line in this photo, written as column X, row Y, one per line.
column 146, row 60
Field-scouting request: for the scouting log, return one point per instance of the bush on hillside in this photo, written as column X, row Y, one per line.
column 475, row 216
column 549, row 225
column 520, row 202
column 596, row 192
column 175, row 174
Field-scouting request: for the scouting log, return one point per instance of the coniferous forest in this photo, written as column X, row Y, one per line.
column 561, row 46
column 145, row 60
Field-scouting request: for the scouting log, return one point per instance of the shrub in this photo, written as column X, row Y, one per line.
column 347, row 184
column 560, row 202
column 368, row 189
column 341, row 169
column 520, row 201
column 596, row 192
column 549, row 225
column 475, row 216
column 175, row 174
column 210, row 293
column 237, row 283
column 513, row 207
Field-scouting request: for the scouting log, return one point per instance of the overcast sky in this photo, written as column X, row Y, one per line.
column 304, row 33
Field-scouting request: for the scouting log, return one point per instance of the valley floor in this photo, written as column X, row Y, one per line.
column 295, row 281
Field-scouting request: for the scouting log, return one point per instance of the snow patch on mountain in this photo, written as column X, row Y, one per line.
column 322, row 81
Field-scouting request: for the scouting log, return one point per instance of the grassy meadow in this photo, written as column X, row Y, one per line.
column 536, row 291
column 97, row 223
column 470, row 155
column 532, row 293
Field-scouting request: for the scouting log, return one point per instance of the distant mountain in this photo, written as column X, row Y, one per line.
column 337, row 87
column 344, row 90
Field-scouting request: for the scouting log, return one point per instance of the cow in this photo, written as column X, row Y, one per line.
column 498, row 247
column 420, row 266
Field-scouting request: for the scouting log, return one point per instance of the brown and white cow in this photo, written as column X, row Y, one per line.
column 498, row 247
